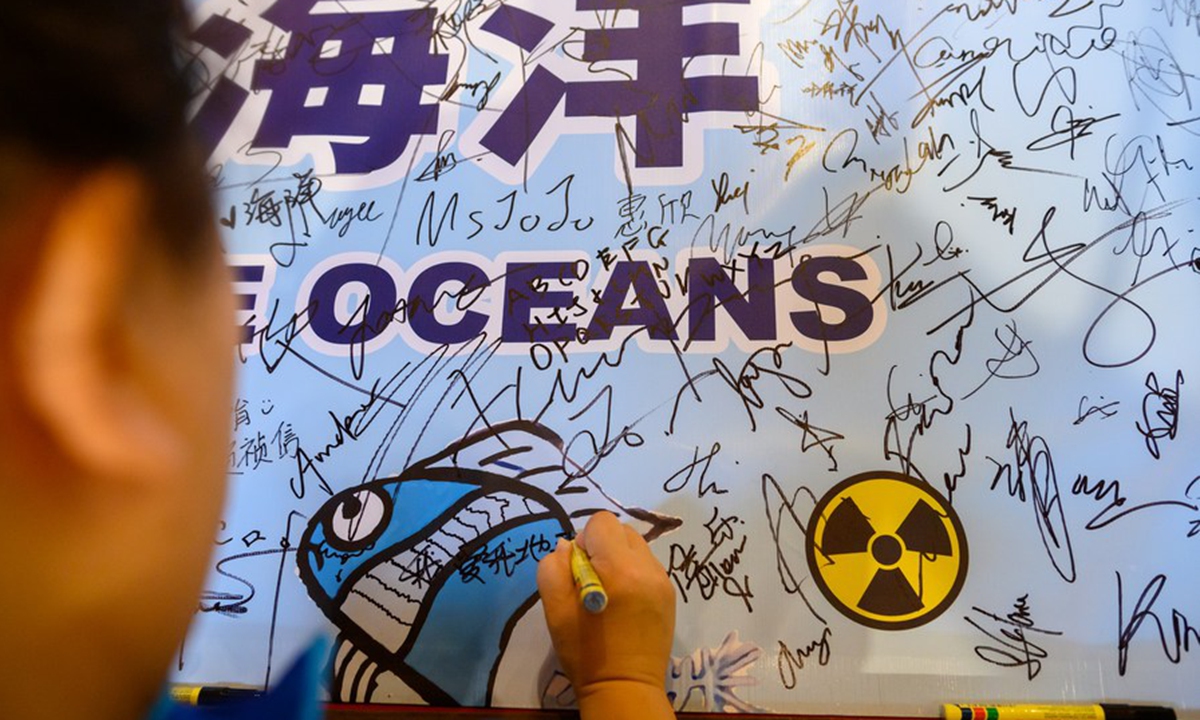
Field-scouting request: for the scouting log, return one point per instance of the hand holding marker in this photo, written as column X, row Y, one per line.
column 617, row 659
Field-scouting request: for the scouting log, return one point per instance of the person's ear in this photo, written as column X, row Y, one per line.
column 76, row 342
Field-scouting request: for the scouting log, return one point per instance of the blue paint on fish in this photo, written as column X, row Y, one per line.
column 406, row 510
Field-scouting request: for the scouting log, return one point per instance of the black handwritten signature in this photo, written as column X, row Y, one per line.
column 1033, row 463
column 792, row 661
column 1011, row 646
column 1175, row 640
column 711, row 573
column 1163, row 402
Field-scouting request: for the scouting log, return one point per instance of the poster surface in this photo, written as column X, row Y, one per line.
column 873, row 317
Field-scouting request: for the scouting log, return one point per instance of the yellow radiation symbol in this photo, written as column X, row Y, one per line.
column 886, row 550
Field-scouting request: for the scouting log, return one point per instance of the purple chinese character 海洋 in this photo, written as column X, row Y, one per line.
column 660, row 98
column 353, row 79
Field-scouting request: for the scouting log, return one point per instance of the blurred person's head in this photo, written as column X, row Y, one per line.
column 116, row 337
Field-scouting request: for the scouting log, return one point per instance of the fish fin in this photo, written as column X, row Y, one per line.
column 534, row 454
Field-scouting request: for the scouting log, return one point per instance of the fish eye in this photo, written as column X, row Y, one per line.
column 358, row 519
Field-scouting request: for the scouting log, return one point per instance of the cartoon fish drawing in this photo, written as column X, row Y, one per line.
column 425, row 574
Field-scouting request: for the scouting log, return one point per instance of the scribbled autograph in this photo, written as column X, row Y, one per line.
column 1163, row 403
column 1032, row 463
column 1011, row 645
column 1175, row 641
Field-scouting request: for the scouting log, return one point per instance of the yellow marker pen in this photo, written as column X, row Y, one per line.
column 591, row 592
column 211, row 694
column 1102, row 711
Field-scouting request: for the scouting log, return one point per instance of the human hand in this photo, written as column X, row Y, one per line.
column 626, row 648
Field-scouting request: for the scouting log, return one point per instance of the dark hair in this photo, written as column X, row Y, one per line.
column 88, row 82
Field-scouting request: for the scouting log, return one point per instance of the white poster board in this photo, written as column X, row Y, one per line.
column 876, row 316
